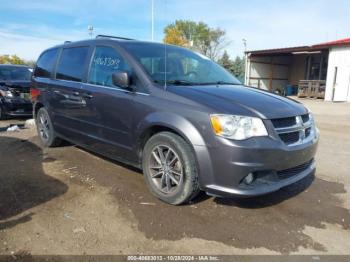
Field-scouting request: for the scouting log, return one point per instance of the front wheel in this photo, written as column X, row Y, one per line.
column 170, row 169
column 45, row 129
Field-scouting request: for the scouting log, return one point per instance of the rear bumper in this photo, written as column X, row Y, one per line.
column 16, row 107
column 272, row 164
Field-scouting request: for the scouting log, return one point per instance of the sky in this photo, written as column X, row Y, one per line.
column 27, row 27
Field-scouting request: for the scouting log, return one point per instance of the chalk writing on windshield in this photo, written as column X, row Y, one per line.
column 107, row 61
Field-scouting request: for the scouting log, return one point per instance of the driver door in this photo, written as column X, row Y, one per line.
column 110, row 104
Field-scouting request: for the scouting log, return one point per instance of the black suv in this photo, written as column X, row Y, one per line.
column 14, row 91
column 188, row 123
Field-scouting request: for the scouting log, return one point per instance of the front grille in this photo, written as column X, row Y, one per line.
column 290, row 138
column 283, row 174
column 305, row 118
column 293, row 130
column 284, row 122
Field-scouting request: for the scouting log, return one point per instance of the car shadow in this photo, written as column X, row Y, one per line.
column 23, row 183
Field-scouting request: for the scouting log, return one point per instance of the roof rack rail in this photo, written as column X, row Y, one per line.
column 67, row 42
column 116, row 37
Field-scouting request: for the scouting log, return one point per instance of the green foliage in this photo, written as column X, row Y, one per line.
column 236, row 67
column 15, row 60
column 197, row 36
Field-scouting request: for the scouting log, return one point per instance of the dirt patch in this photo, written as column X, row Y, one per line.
column 274, row 221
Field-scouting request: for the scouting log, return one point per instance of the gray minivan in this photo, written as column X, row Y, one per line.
column 180, row 117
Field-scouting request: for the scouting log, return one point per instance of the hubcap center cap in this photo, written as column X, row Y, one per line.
column 166, row 168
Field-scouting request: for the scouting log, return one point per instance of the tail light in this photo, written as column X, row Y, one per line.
column 34, row 93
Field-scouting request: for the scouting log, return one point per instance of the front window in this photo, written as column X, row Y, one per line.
column 175, row 65
column 14, row 73
column 105, row 62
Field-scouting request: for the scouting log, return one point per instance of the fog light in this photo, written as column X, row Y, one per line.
column 249, row 179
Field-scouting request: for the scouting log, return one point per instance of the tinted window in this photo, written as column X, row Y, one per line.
column 14, row 73
column 105, row 62
column 71, row 64
column 46, row 63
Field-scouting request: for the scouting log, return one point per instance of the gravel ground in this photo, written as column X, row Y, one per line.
column 69, row 201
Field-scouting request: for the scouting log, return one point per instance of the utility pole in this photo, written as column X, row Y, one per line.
column 244, row 44
column 90, row 30
column 152, row 19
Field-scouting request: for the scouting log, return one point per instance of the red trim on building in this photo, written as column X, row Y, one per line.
column 316, row 47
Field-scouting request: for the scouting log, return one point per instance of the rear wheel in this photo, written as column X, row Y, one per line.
column 45, row 129
column 170, row 168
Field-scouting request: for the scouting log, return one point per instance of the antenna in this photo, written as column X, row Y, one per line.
column 152, row 20
column 165, row 56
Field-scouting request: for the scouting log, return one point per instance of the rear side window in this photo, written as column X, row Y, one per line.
column 72, row 63
column 46, row 63
column 105, row 62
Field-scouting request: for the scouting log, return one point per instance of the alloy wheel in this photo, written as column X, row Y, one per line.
column 165, row 169
column 44, row 127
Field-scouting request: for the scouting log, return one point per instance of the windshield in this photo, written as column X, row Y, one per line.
column 14, row 73
column 178, row 66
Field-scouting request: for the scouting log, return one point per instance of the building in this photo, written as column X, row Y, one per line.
column 321, row 70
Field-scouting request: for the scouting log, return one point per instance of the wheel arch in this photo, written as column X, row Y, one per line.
column 36, row 108
column 158, row 122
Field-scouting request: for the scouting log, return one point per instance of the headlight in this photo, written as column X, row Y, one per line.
column 237, row 127
column 6, row 93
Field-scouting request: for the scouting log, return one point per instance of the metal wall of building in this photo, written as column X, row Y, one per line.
column 338, row 75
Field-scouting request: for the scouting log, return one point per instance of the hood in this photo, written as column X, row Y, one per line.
column 241, row 100
column 20, row 85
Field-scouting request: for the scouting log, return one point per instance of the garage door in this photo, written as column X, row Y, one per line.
column 342, row 84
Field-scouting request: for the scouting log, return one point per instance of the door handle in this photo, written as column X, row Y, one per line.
column 84, row 95
column 87, row 95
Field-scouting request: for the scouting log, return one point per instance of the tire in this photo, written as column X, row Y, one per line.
column 163, row 176
column 45, row 129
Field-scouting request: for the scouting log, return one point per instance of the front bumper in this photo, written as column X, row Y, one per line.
column 16, row 107
column 272, row 163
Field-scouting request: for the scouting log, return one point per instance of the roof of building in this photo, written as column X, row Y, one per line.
column 344, row 41
column 316, row 47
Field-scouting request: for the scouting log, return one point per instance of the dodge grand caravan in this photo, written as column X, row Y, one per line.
column 184, row 120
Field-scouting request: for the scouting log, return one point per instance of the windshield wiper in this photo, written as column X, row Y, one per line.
column 220, row 83
column 177, row 82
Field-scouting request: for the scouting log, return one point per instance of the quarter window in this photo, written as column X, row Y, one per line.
column 46, row 63
column 105, row 62
column 72, row 63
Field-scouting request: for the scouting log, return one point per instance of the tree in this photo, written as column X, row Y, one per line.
column 197, row 36
column 175, row 37
column 236, row 67
column 15, row 60
column 226, row 62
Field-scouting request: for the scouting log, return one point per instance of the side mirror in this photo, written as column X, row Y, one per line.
column 121, row 79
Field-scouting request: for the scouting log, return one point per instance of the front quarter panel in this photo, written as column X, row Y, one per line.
column 191, row 133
